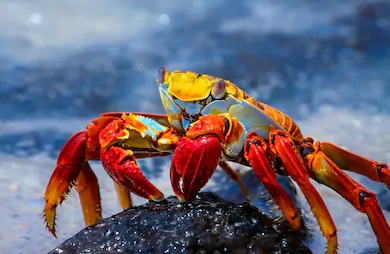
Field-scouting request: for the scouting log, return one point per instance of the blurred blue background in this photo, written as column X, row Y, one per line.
column 63, row 63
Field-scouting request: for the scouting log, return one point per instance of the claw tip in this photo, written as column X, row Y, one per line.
column 181, row 199
column 158, row 197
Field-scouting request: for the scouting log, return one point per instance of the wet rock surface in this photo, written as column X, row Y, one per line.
column 208, row 225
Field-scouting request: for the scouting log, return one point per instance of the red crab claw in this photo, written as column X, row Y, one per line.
column 193, row 163
column 196, row 156
column 120, row 163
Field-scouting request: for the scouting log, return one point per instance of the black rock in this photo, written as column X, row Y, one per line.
column 207, row 225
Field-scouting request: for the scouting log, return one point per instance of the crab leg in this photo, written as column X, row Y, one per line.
column 284, row 147
column 255, row 153
column 376, row 171
column 235, row 176
column 69, row 165
column 325, row 171
column 73, row 168
column 123, row 196
column 88, row 188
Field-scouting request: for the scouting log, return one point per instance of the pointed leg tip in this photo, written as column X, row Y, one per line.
column 51, row 227
column 53, row 232
column 296, row 224
column 49, row 215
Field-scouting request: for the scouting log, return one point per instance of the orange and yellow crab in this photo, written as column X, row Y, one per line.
column 209, row 122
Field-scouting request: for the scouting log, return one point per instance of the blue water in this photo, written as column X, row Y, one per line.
column 62, row 64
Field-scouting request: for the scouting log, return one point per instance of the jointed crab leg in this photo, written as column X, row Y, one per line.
column 69, row 165
column 123, row 196
column 255, row 153
column 116, row 140
column 235, row 176
column 197, row 155
column 88, row 189
column 346, row 160
column 325, row 171
column 283, row 146
column 210, row 121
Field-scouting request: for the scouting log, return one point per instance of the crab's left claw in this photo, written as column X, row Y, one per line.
column 119, row 161
column 121, row 165
column 193, row 163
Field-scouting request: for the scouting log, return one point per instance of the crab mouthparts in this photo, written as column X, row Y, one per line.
column 191, row 117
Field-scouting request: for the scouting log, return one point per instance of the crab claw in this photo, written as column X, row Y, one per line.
column 121, row 165
column 193, row 163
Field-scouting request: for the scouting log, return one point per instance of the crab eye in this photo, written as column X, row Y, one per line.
column 218, row 91
column 161, row 75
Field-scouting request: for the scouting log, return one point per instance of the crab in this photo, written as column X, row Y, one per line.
column 210, row 122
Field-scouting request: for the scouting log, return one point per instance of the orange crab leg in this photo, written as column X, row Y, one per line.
column 235, row 176
column 92, row 144
column 255, row 153
column 123, row 196
column 379, row 172
column 327, row 172
column 69, row 165
column 284, row 147
column 88, row 188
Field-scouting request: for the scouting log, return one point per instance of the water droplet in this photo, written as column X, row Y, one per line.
column 35, row 18
column 164, row 19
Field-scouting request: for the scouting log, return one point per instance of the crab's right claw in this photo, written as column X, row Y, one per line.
column 193, row 163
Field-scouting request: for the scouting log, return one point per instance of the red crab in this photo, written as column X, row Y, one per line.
column 209, row 122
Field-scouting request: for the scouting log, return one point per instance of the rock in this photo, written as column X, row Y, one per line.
column 207, row 225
